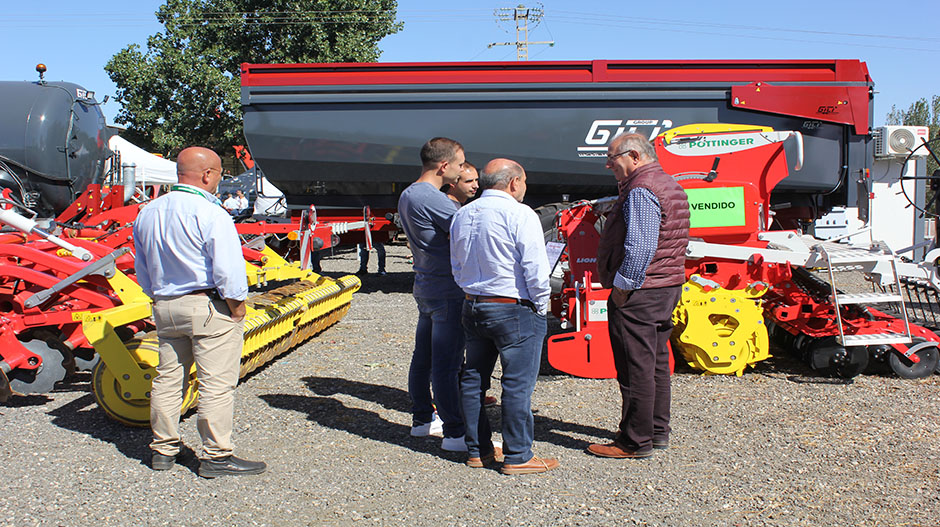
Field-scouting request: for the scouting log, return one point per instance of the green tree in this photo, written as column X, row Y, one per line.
column 922, row 113
column 184, row 88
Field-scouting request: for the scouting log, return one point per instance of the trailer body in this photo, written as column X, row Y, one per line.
column 350, row 134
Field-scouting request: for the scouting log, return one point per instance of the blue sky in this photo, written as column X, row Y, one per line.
column 899, row 42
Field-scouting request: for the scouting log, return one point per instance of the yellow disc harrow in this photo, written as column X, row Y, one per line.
column 277, row 320
column 720, row 331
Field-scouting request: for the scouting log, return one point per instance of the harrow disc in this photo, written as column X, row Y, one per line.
column 826, row 355
column 42, row 379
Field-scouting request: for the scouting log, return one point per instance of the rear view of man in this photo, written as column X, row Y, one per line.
column 426, row 214
column 189, row 261
column 500, row 262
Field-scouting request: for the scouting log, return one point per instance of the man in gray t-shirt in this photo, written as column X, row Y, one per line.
column 426, row 214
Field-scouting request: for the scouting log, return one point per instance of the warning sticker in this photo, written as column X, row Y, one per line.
column 716, row 207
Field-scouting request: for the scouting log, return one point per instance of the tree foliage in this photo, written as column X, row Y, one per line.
column 184, row 88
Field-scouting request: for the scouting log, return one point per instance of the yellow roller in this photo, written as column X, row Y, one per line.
column 276, row 321
column 720, row 331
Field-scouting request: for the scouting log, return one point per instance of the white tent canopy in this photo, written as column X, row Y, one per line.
column 150, row 169
column 270, row 200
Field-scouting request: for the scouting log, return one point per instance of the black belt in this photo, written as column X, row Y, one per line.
column 501, row 300
column 204, row 292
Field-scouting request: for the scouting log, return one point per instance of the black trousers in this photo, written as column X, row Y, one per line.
column 639, row 333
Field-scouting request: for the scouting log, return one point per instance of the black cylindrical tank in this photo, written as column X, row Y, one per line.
column 53, row 139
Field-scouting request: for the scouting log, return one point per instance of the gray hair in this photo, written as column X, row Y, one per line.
column 501, row 178
column 637, row 143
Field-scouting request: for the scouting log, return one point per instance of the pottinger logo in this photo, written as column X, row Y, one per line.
column 603, row 130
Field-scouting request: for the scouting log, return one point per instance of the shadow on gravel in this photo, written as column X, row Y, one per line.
column 331, row 413
column 547, row 429
column 22, row 401
column 84, row 416
column 400, row 282
column 385, row 396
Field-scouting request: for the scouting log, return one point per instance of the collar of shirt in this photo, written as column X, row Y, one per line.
column 498, row 194
column 183, row 187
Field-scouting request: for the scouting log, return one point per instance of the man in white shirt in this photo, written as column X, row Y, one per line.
column 241, row 202
column 498, row 259
column 230, row 203
column 189, row 260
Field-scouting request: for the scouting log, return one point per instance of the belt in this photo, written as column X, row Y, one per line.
column 501, row 300
column 203, row 292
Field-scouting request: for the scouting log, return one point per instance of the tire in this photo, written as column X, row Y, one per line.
column 905, row 369
column 547, row 214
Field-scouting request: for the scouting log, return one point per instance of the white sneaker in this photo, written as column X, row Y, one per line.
column 435, row 427
column 454, row 444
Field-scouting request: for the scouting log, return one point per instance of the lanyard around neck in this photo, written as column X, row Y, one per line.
column 191, row 190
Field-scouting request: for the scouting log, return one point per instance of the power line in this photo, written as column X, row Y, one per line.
column 664, row 21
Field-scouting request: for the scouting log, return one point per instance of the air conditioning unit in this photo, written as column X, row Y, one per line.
column 899, row 141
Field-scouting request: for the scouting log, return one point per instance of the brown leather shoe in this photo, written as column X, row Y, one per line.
column 535, row 465
column 479, row 462
column 490, row 401
column 614, row 450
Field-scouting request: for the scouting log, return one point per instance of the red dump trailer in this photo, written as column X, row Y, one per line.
column 348, row 135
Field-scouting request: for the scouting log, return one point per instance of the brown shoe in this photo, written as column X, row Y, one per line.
column 535, row 465
column 490, row 401
column 479, row 462
column 616, row 451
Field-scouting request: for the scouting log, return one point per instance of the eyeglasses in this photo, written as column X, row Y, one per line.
column 615, row 156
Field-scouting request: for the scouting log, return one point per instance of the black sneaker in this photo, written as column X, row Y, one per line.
column 362, row 272
column 230, row 466
column 161, row 462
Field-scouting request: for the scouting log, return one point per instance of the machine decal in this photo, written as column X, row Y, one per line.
column 716, row 207
column 602, row 131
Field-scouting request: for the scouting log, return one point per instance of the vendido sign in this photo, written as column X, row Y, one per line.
column 716, row 207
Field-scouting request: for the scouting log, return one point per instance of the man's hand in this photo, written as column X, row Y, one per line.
column 238, row 309
column 619, row 296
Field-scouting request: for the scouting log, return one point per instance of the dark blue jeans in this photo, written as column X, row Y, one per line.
column 436, row 363
column 514, row 334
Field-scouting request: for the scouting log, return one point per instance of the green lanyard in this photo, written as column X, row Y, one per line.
column 186, row 188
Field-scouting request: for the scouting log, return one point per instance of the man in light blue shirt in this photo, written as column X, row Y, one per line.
column 189, row 260
column 498, row 258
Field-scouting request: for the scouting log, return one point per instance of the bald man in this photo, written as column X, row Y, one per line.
column 189, row 261
column 498, row 259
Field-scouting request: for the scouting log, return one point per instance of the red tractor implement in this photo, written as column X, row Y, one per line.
column 743, row 275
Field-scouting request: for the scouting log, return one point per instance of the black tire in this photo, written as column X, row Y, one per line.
column 905, row 369
column 547, row 214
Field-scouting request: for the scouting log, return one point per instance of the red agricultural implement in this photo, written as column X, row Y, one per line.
column 743, row 277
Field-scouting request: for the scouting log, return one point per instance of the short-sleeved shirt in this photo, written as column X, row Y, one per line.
column 426, row 214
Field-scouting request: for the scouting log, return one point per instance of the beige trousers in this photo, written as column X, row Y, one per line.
column 195, row 328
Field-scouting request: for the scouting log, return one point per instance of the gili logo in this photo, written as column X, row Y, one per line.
column 603, row 130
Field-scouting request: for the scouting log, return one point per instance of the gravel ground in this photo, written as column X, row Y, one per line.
column 777, row 446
